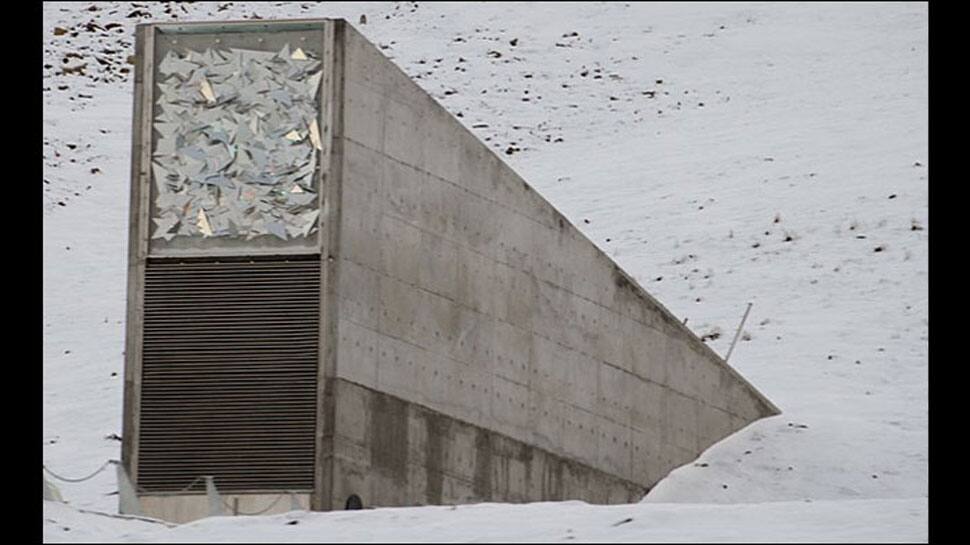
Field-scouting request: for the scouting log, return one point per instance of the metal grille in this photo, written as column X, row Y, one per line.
column 229, row 374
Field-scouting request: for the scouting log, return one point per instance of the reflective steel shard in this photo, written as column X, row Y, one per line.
column 236, row 144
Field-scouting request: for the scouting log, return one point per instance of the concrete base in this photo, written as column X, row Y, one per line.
column 392, row 452
column 188, row 507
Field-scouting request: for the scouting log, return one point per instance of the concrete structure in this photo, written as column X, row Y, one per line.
column 473, row 344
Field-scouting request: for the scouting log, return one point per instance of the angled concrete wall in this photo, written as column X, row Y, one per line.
column 461, row 292
column 394, row 452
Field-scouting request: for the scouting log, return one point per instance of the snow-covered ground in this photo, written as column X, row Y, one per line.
column 826, row 521
column 721, row 153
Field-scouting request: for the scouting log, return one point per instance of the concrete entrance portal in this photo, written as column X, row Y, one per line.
column 467, row 342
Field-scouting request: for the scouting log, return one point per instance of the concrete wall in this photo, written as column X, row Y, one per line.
column 184, row 508
column 393, row 453
column 463, row 292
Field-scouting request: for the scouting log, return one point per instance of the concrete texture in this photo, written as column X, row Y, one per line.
column 392, row 452
column 462, row 292
column 475, row 346
column 184, row 508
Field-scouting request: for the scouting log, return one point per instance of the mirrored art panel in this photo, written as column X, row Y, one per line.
column 236, row 146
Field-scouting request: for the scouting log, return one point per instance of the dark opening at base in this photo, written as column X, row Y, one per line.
column 354, row 502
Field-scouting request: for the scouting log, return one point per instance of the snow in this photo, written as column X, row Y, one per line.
column 799, row 185
column 818, row 522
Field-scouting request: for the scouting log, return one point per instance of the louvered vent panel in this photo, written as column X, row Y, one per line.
column 229, row 374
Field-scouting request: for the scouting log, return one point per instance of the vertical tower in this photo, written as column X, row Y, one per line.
column 225, row 271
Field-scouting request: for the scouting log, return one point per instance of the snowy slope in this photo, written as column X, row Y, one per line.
column 858, row 521
column 721, row 153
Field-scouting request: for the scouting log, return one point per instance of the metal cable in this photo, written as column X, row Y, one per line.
column 191, row 484
column 183, row 489
column 268, row 507
column 82, row 479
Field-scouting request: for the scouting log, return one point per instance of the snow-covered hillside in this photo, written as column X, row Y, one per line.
column 720, row 153
column 818, row 522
